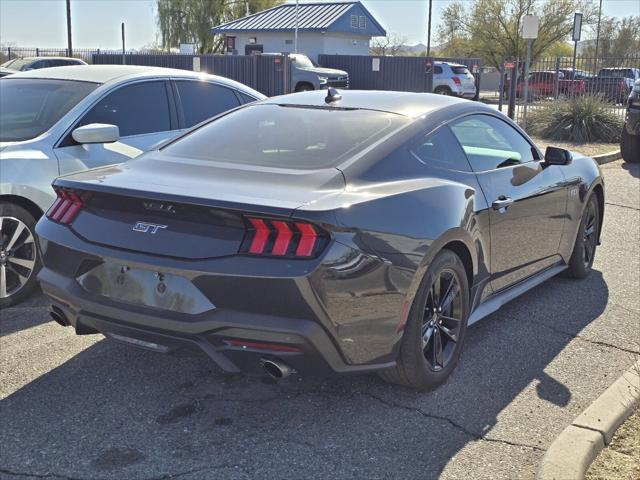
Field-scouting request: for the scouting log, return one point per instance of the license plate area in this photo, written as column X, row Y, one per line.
column 137, row 286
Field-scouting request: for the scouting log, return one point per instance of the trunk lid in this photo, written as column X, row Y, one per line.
column 184, row 208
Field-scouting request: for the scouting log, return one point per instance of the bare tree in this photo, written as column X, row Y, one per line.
column 392, row 44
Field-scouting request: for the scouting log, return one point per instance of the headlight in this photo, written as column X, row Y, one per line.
column 323, row 80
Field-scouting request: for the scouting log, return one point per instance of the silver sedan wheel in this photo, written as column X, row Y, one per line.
column 17, row 255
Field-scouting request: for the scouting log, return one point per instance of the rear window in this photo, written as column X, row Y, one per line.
column 617, row 72
column 460, row 70
column 287, row 137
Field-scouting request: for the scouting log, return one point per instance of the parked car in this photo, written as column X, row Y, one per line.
column 307, row 75
column 366, row 241
column 630, row 141
column 453, row 79
column 22, row 64
column 66, row 119
column 569, row 74
column 542, row 85
column 614, row 84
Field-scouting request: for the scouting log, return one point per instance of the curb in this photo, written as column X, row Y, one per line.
column 608, row 157
column 572, row 452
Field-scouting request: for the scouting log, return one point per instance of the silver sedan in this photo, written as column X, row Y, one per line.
column 56, row 121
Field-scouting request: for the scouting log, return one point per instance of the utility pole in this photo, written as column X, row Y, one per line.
column 595, row 61
column 69, row 45
column 429, row 30
column 295, row 35
column 123, row 50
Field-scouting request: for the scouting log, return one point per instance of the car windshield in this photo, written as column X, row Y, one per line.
column 30, row 106
column 294, row 137
column 19, row 64
column 303, row 61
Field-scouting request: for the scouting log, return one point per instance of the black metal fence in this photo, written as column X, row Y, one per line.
column 553, row 80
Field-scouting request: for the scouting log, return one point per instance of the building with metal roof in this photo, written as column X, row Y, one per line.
column 326, row 27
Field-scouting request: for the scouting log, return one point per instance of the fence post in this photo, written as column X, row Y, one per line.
column 556, row 81
column 37, row 52
column 501, row 86
column 9, row 52
column 254, row 67
column 513, row 89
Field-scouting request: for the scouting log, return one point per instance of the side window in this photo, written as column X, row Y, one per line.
column 202, row 100
column 437, row 70
column 441, row 149
column 136, row 109
column 491, row 143
column 245, row 98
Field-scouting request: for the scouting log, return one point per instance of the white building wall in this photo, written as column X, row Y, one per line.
column 310, row 43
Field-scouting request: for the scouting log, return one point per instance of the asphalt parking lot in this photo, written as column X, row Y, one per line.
column 89, row 408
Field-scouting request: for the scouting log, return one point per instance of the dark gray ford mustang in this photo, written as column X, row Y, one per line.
column 321, row 233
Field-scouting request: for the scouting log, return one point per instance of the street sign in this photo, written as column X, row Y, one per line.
column 530, row 25
column 577, row 27
column 475, row 68
column 509, row 64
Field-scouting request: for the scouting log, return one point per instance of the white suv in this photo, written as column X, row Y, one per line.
column 453, row 79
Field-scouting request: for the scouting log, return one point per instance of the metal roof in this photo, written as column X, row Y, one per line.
column 311, row 16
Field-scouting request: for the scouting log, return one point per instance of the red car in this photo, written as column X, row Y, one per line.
column 542, row 84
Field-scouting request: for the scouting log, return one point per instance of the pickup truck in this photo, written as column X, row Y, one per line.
column 306, row 75
column 542, row 84
column 613, row 84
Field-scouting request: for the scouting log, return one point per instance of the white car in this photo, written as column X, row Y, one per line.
column 60, row 120
column 453, row 79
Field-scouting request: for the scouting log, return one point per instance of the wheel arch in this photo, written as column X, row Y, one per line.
column 598, row 191
column 302, row 83
column 25, row 203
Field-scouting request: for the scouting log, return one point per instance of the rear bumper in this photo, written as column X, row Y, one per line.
column 287, row 312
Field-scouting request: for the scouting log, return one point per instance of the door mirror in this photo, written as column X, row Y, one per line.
column 96, row 133
column 557, row 156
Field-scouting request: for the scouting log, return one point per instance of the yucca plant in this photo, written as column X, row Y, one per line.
column 580, row 119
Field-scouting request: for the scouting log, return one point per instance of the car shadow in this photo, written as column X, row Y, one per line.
column 113, row 411
column 29, row 313
column 632, row 168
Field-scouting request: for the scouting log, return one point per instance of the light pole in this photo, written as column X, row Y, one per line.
column 429, row 29
column 69, row 45
column 595, row 61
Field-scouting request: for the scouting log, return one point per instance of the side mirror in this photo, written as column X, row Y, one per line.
column 96, row 133
column 557, row 156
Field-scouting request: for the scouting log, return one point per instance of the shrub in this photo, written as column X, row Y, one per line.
column 580, row 119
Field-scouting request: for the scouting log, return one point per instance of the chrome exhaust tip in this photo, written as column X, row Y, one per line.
column 276, row 369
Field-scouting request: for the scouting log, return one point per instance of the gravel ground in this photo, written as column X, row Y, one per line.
column 88, row 408
column 621, row 459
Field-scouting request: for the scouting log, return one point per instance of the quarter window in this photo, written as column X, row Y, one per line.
column 441, row 149
column 136, row 109
column 201, row 100
column 492, row 143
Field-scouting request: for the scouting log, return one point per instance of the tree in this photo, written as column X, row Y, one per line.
column 619, row 39
column 191, row 21
column 392, row 44
column 491, row 28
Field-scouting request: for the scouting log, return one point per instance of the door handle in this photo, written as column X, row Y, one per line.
column 502, row 202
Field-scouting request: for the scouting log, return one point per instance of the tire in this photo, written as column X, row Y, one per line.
column 17, row 280
column 630, row 147
column 417, row 364
column 443, row 91
column 584, row 249
column 304, row 87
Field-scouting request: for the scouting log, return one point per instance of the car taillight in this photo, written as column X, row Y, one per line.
column 67, row 206
column 456, row 80
column 283, row 238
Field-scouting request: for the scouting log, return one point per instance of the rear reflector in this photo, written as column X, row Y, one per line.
column 281, row 238
column 67, row 206
column 456, row 80
column 263, row 346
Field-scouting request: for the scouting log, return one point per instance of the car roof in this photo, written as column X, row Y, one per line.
column 109, row 73
column 47, row 57
column 402, row 103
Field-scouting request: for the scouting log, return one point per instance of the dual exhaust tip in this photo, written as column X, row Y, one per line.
column 276, row 369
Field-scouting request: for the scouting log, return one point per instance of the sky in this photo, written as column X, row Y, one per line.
column 96, row 23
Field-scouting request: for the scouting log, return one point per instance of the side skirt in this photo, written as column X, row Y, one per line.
column 499, row 299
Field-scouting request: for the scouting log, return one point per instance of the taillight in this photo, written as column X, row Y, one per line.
column 67, row 206
column 623, row 86
column 456, row 80
column 283, row 238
